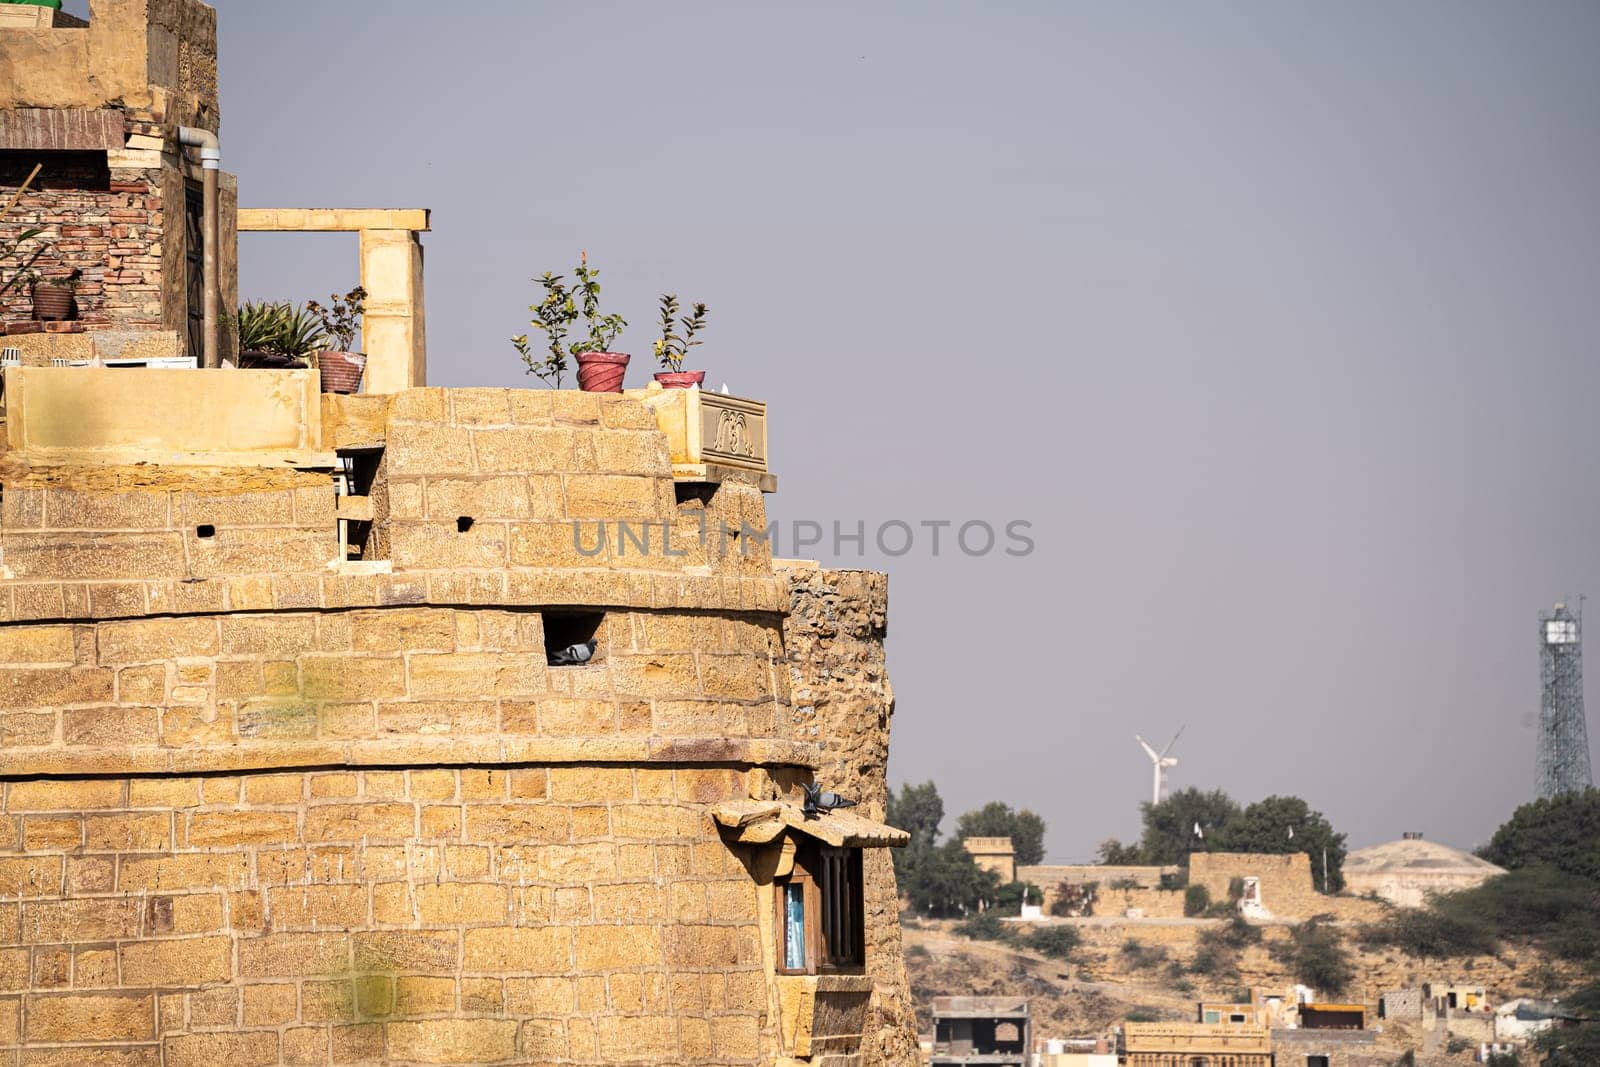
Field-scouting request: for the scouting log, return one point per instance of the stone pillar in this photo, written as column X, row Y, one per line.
column 393, row 330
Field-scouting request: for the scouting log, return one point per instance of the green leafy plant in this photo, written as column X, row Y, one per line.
column 280, row 327
column 603, row 329
column 1196, row 899
column 552, row 316
column 299, row 333
column 672, row 347
column 257, row 324
column 341, row 318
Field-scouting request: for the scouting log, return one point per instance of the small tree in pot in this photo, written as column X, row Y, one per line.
column 599, row 370
column 672, row 347
column 340, row 366
column 277, row 336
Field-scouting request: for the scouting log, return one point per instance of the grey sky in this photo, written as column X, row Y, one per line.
column 1276, row 321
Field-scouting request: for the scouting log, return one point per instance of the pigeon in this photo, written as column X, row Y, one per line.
column 818, row 802
column 578, row 653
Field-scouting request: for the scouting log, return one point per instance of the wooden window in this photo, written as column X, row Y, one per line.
column 821, row 927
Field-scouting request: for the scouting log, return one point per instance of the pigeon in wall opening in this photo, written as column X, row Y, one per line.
column 582, row 652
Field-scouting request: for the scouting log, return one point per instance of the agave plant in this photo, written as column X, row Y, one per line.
column 299, row 334
column 258, row 324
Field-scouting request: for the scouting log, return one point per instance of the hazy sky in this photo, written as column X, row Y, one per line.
column 1276, row 321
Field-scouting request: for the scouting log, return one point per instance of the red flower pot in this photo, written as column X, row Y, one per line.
column 680, row 379
column 52, row 303
column 341, row 371
column 601, row 372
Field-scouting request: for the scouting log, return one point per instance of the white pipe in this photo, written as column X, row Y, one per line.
column 210, row 163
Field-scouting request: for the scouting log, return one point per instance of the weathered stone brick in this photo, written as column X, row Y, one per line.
column 476, row 675
column 36, row 644
column 317, row 906
column 514, row 823
column 416, row 995
column 603, row 948
column 540, row 996
column 144, row 640
column 91, row 1017
column 183, row 870
column 211, row 828
column 294, row 955
column 407, row 630
column 111, row 727
column 62, row 795
column 454, row 1041
column 482, row 996
column 52, row 832
column 182, row 962
column 276, row 635
column 93, row 919
column 391, row 951
column 591, row 783
column 517, row 949
column 218, row 1006
column 652, row 1038
column 325, row 1001
column 128, row 832
column 270, row 1004
column 53, row 687
column 306, row 1045
column 358, row 822
column 357, row 1043
column 324, row 677
column 461, row 903
column 456, row 718
column 244, row 1049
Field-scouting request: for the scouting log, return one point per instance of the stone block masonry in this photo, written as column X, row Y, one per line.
column 255, row 808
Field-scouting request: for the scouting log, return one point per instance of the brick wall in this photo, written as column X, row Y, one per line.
column 109, row 225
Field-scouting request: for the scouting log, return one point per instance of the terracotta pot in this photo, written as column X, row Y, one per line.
column 680, row 379
column 341, row 371
column 601, row 372
column 52, row 303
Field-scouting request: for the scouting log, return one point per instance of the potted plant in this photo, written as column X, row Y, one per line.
column 672, row 347
column 340, row 366
column 53, row 298
column 599, row 370
column 277, row 336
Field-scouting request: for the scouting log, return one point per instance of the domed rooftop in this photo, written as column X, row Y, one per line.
column 1413, row 855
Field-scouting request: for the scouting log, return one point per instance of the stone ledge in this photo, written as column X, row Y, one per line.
column 443, row 752
column 52, row 601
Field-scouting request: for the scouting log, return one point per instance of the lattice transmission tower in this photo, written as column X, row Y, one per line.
column 1563, row 761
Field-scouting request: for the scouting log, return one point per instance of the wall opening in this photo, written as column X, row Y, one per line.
column 205, row 529
column 463, row 523
column 571, row 638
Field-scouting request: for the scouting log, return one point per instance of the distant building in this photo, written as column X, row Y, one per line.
column 1404, row 872
column 994, row 1031
column 1327, row 1048
column 1195, row 1045
column 995, row 854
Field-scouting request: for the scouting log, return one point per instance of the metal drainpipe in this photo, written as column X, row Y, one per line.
column 210, row 163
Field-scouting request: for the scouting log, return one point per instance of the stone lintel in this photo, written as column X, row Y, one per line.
column 331, row 219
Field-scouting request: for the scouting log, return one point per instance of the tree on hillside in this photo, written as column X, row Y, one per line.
column 1114, row 853
column 1283, row 825
column 1561, row 832
column 917, row 809
column 943, row 881
column 995, row 819
column 1169, row 834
